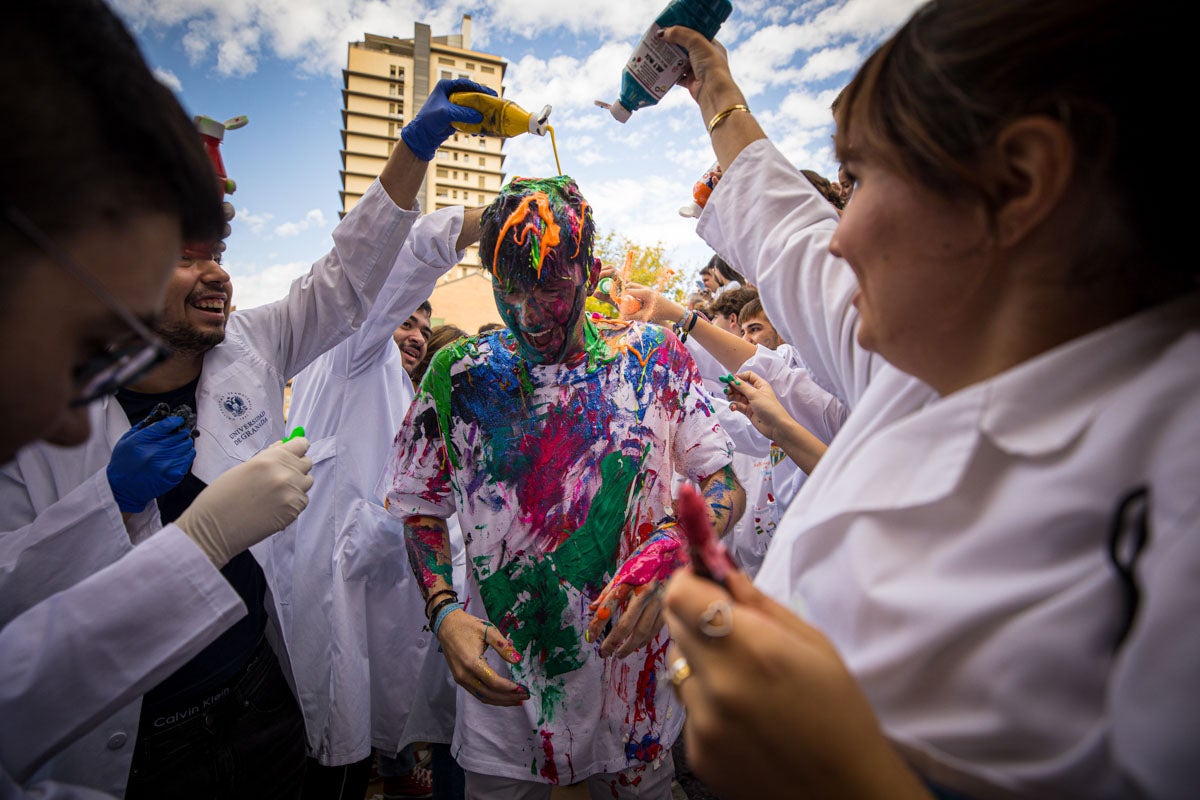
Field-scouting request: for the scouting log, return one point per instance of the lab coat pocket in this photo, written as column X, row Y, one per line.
column 371, row 546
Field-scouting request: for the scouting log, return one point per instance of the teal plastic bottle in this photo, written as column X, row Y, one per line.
column 656, row 64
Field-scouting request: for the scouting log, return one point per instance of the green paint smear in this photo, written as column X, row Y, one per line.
column 597, row 350
column 528, row 593
column 552, row 696
column 437, row 383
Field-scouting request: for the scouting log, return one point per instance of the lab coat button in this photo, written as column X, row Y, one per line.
column 422, row 641
column 117, row 741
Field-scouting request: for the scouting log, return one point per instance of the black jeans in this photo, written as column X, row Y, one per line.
column 245, row 741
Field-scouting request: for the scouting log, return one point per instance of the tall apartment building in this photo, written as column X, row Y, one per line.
column 385, row 82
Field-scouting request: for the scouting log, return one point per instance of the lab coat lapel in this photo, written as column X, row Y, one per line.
column 898, row 416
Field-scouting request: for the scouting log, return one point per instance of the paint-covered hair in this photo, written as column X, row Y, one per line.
column 535, row 224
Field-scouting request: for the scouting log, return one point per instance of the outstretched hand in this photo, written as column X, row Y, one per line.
column 751, row 395
column 432, row 125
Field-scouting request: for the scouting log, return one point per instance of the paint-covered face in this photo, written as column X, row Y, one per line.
column 545, row 318
column 537, row 240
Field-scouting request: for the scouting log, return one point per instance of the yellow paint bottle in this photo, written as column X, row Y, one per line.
column 500, row 117
column 504, row 118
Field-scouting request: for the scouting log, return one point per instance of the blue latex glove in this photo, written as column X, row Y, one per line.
column 431, row 126
column 147, row 462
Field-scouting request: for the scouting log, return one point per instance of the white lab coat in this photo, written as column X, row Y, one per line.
column 954, row 548
column 351, row 401
column 239, row 411
column 73, row 659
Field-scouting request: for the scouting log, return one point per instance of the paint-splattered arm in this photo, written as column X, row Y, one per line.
column 428, row 544
column 465, row 639
column 725, row 498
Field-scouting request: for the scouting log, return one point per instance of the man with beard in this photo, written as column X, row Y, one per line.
column 225, row 724
column 556, row 440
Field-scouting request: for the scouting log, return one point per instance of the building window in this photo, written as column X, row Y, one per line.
column 391, row 129
column 486, row 69
column 454, row 156
column 442, row 172
column 482, row 182
column 481, row 201
column 454, row 194
column 482, row 161
column 442, row 155
column 447, row 75
column 392, row 70
column 392, row 89
column 444, row 60
column 469, row 65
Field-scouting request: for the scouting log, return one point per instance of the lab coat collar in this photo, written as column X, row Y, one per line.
column 1044, row 404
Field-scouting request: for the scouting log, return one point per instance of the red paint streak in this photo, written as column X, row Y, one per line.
column 647, row 684
column 562, row 444
column 548, row 771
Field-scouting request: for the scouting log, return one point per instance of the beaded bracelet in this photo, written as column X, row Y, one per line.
column 445, row 612
column 720, row 116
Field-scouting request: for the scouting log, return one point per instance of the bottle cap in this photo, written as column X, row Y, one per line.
column 691, row 210
column 619, row 112
column 537, row 125
column 210, row 127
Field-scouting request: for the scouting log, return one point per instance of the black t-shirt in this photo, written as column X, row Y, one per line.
column 223, row 659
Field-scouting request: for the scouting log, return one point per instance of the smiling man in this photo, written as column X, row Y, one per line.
column 226, row 723
column 556, row 440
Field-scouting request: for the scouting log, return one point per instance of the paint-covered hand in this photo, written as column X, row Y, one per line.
column 632, row 600
column 465, row 641
column 433, row 123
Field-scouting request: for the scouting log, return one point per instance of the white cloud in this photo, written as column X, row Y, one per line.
column 313, row 219
column 255, row 287
column 255, row 222
column 168, row 79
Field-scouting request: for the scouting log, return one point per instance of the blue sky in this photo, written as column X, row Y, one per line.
column 280, row 61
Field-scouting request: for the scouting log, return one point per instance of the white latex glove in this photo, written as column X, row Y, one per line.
column 250, row 502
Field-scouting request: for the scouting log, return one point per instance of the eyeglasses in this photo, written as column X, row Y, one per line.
column 106, row 373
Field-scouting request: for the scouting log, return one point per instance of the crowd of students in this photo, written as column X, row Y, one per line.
column 948, row 432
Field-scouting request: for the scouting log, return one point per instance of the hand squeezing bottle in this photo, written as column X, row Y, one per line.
column 656, row 64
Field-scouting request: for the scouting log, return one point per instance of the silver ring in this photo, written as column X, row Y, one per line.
column 717, row 620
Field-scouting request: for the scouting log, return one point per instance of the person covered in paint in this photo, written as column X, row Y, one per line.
column 556, row 440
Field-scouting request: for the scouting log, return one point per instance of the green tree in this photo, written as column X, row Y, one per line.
column 649, row 264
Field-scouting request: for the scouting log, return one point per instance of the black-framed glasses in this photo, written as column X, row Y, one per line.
column 119, row 365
